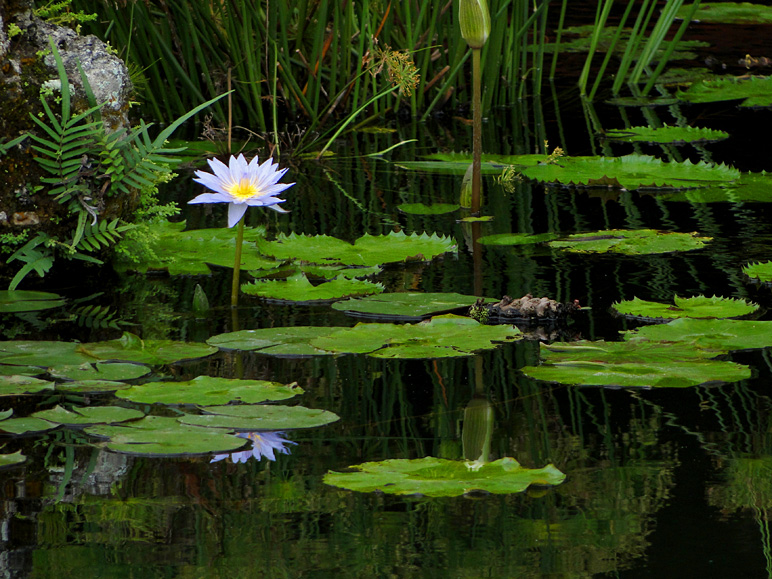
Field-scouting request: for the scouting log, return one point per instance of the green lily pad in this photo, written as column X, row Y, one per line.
column 298, row 289
column 7, row 370
column 403, row 305
column 695, row 307
column 631, row 172
column 110, row 371
column 28, row 301
column 761, row 271
column 17, row 385
column 630, row 242
column 517, row 238
column 91, row 386
column 458, row 163
column 27, row 425
column 368, row 250
column 260, row 417
column 440, row 337
column 754, row 187
column 756, row 91
column 5, row 414
column 476, row 219
column 88, row 415
column 164, row 436
column 422, row 209
column 437, row 477
column 290, row 341
column 190, row 252
column 628, row 364
column 665, row 134
column 726, row 335
column 642, row 102
column 210, row 390
column 333, row 271
column 729, row 13
column 7, row 460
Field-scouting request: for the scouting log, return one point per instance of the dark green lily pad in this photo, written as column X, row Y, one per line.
column 17, row 385
column 756, row 91
column 189, row 252
column 368, row 250
column 630, row 242
column 665, row 134
column 476, row 219
column 726, row 335
column 88, row 415
column 27, row 425
column 437, row 477
column 289, row 341
column 694, row 307
column 422, row 209
column 91, row 386
column 729, row 13
column 628, row 364
column 333, row 271
column 458, row 163
column 642, row 102
column 7, row 370
column 631, row 172
column 205, row 390
column 440, row 337
column 111, row 371
column 28, row 301
column 297, row 288
column 517, row 238
column 165, row 436
column 761, row 271
column 7, row 460
column 260, row 417
column 5, row 414
column 403, row 305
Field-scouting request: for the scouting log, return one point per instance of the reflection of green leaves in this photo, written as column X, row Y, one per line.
column 517, row 238
column 761, row 271
column 437, row 477
column 260, row 417
column 694, row 307
column 88, row 415
column 422, row 209
column 11, row 459
column 635, row 242
column 405, row 304
column 749, row 187
column 631, row 172
column 16, row 385
column 28, row 301
column 368, row 250
column 290, row 341
column 665, row 134
column 730, row 13
column 297, row 288
column 726, row 335
column 458, row 163
column 205, row 390
column 756, row 91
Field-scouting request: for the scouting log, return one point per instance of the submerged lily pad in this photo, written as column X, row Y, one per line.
column 726, row 335
column 437, row 477
column 694, row 307
column 205, row 390
column 28, row 301
column 761, row 271
column 289, row 341
column 405, row 305
column 517, row 238
column 26, row 425
column 665, row 134
column 110, row 371
column 368, row 250
column 729, row 13
column 756, row 91
column 631, row 172
column 7, row 460
column 88, row 415
column 17, row 385
column 298, row 289
column 422, row 209
column 260, row 417
column 630, row 242
column 458, row 163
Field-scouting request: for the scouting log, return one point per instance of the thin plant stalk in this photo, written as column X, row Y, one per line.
column 476, row 131
column 235, row 285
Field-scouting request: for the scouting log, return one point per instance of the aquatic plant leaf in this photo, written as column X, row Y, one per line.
column 517, row 238
column 729, row 13
column 665, row 134
column 726, row 335
column 761, row 271
column 694, row 307
column 131, row 348
column 8, row 370
column 7, row 460
column 627, row 364
column 88, row 415
column 401, row 305
column 260, row 417
column 749, row 187
column 28, row 301
column 5, row 414
column 189, row 252
column 438, row 477
column 368, row 250
column 165, row 436
column 582, row 38
column 26, row 425
column 631, row 172
column 333, row 271
column 433, row 209
column 297, row 288
column 458, row 163
column 204, row 390
column 756, row 91
column 17, row 385
column 110, row 371
column 630, row 242
column 91, row 386
column 438, row 337
column 42, row 353
column 289, row 341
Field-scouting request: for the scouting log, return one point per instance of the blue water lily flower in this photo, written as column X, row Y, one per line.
column 264, row 444
column 241, row 185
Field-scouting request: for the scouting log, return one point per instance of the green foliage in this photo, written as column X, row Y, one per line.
column 630, row 242
column 297, row 288
column 754, row 91
column 60, row 12
column 694, row 307
column 731, row 12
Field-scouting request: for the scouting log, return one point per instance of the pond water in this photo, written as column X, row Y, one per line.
column 659, row 482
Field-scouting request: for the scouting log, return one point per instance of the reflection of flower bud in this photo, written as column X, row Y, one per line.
column 475, row 21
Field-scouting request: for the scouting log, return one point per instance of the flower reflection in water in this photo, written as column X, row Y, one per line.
column 264, row 444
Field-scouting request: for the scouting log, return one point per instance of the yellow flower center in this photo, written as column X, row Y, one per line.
column 242, row 190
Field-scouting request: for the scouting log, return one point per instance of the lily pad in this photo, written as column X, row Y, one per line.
column 333, row 271
column 665, row 134
column 27, row 425
column 368, row 250
column 298, row 289
column 209, row 390
column 517, row 238
column 761, row 271
column 91, row 386
column 111, row 371
column 260, row 417
column 437, row 477
column 458, row 163
column 402, row 305
column 695, row 307
column 28, row 301
column 422, row 209
column 754, row 187
column 726, row 335
column 17, row 385
column 755, row 91
column 88, row 415
column 630, row 242
column 631, row 172
column 7, row 460
column 729, row 13
column 290, row 341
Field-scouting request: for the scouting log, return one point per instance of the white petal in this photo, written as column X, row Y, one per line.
column 211, row 198
column 236, row 212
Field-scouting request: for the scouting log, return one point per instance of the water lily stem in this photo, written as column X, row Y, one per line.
column 237, row 264
column 476, row 131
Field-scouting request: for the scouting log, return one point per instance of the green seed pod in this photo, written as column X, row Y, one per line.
column 475, row 21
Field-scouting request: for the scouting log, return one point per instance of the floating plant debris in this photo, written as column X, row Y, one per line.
column 526, row 309
column 297, row 288
column 694, row 307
